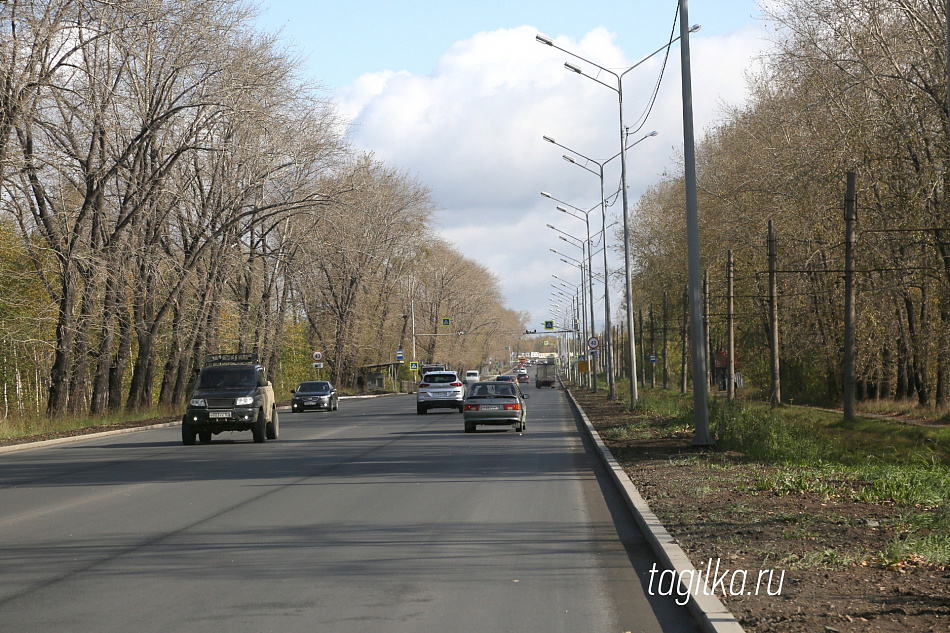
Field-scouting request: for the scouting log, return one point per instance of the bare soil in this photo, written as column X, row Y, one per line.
column 713, row 504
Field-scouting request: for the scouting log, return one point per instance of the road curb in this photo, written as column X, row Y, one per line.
column 83, row 436
column 711, row 614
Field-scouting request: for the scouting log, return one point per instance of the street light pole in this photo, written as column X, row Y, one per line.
column 590, row 276
column 608, row 342
column 580, row 264
column 634, row 395
column 702, row 436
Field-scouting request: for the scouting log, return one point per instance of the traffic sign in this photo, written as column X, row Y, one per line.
column 652, row 358
column 414, row 365
column 318, row 365
column 398, row 354
column 549, row 325
column 317, row 356
column 446, row 322
column 593, row 342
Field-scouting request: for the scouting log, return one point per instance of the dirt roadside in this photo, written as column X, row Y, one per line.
column 828, row 548
column 87, row 430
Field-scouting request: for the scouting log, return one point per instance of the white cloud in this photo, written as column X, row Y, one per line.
column 471, row 131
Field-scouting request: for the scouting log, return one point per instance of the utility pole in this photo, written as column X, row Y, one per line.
column 710, row 373
column 776, row 398
column 730, row 309
column 652, row 349
column 666, row 365
column 850, row 216
column 643, row 357
column 684, row 333
column 702, row 435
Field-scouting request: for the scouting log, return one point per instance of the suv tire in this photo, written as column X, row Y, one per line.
column 273, row 427
column 259, row 429
column 188, row 433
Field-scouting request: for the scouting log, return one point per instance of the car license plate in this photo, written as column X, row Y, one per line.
column 490, row 407
column 219, row 414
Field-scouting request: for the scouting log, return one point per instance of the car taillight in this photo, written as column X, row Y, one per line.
column 513, row 407
column 456, row 384
column 471, row 407
column 423, row 384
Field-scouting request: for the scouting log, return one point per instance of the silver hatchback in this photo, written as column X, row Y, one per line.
column 495, row 403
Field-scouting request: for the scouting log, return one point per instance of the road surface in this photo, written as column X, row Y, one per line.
column 370, row 518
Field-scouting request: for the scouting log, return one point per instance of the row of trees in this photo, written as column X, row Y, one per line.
column 171, row 187
column 850, row 85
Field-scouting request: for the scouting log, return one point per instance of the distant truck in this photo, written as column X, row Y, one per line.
column 545, row 373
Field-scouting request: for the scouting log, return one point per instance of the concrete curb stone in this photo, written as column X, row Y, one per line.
column 710, row 613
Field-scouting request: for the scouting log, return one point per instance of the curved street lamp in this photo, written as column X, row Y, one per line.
column 618, row 89
column 608, row 336
column 590, row 268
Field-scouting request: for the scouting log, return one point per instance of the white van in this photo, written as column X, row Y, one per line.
column 471, row 376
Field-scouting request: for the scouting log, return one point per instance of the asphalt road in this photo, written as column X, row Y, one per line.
column 371, row 518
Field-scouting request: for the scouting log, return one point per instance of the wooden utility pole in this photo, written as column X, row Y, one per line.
column 776, row 397
column 710, row 362
column 850, row 217
column 652, row 349
column 643, row 359
column 666, row 365
column 685, row 338
column 730, row 309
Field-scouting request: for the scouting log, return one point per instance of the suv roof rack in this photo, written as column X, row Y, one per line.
column 230, row 359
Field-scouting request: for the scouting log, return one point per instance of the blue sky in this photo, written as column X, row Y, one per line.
column 459, row 96
column 343, row 40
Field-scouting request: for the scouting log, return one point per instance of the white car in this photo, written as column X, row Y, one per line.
column 439, row 389
column 472, row 376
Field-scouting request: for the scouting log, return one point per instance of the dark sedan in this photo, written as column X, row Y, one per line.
column 498, row 403
column 314, row 394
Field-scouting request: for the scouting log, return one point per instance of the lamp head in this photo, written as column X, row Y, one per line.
column 571, row 67
column 546, row 194
column 695, row 28
column 569, row 159
column 549, row 139
column 544, row 39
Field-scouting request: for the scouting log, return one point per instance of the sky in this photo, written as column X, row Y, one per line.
column 459, row 96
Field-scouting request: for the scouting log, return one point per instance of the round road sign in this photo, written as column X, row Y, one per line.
column 593, row 342
column 317, row 356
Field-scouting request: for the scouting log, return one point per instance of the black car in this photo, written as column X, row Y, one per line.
column 314, row 394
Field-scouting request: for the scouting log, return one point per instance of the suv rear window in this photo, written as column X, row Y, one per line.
column 440, row 379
